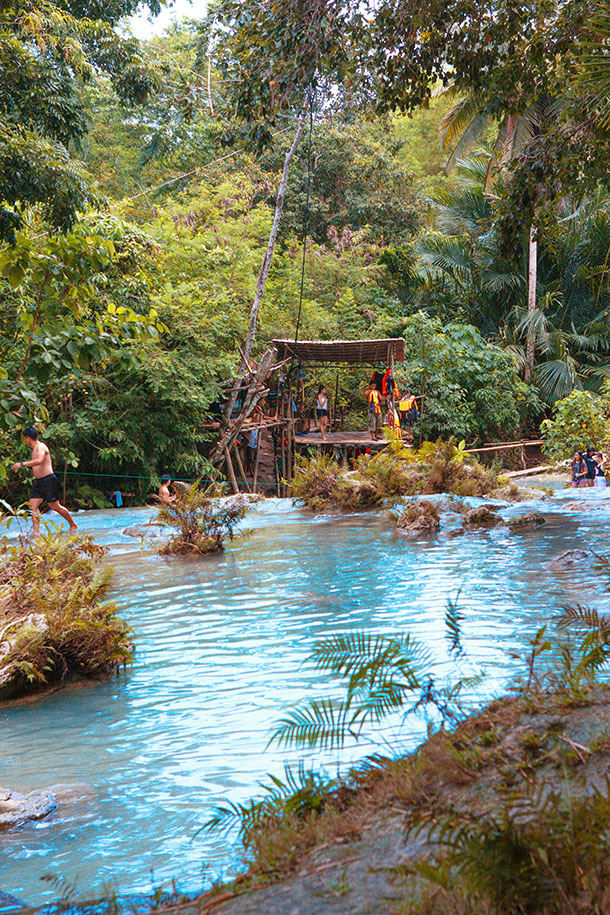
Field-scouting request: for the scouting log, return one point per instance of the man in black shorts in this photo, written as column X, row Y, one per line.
column 46, row 484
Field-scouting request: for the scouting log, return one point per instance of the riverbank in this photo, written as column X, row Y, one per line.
column 363, row 856
column 149, row 756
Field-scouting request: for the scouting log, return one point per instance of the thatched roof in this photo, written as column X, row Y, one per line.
column 352, row 351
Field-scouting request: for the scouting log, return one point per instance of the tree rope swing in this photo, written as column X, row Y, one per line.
column 310, row 98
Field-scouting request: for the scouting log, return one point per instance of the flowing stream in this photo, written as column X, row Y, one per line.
column 138, row 763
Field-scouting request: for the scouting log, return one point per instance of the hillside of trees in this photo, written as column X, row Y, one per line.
column 135, row 209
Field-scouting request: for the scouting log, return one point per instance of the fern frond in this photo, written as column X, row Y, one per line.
column 453, row 621
column 323, row 724
column 584, row 616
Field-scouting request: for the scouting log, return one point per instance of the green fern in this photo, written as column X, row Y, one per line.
column 453, row 621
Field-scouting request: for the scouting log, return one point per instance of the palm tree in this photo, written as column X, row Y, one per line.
column 594, row 75
column 467, row 121
column 460, row 263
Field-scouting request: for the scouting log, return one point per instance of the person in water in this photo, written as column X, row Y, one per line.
column 375, row 414
column 164, row 493
column 579, row 470
column 600, row 468
column 46, row 484
column 322, row 410
column 589, row 459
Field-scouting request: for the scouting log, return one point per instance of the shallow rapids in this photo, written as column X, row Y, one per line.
column 138, row 763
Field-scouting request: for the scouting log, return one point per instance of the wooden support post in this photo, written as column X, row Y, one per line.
column 257, row 459
column 275, row 461
column 290, row 436
column 231, row 472
column 240, row 467
column 335, row 403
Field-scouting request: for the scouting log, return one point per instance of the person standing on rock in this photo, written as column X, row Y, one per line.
column 46, row 484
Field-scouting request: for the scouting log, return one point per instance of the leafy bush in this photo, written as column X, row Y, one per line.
column 89, row 497
column 54, row 623
column 472, row 387
column 201, row 519
column 320, row 483
column 438, row 467
column 579, row 419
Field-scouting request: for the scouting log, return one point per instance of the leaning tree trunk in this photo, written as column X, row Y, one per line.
column 264, row 269
column 532, row 278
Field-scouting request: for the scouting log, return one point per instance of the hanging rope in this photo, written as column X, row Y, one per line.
column 305, row 229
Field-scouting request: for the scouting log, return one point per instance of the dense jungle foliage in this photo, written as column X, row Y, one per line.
column 137, row 200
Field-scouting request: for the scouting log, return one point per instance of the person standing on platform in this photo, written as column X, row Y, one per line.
column 375, row 414
column 46, row 484
column 322, row 411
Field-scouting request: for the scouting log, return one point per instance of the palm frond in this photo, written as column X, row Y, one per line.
column 324, row 724
column 453, row 626
column 583, row 616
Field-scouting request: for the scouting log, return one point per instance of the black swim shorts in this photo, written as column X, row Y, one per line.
column 46, row 488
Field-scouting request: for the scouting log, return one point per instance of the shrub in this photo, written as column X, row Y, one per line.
column 54, row 623
column 438, row 467
column 201, row 519
column 578, row 420
column 320, row 483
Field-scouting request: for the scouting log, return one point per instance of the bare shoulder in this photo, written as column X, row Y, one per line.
column 39, row 449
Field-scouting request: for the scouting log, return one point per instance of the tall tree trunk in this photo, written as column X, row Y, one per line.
column 264, row 269
column 532, row 278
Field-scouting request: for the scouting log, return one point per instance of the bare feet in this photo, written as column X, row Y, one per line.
column 73, row 528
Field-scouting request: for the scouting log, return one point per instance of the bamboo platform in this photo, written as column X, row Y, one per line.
column 339, row 440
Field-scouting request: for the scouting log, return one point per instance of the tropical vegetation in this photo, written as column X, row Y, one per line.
column 137, row 221
column 56, row 624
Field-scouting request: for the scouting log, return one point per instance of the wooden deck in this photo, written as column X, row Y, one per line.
column 339, row 440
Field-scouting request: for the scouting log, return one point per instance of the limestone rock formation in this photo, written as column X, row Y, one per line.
column 526, row 521
column 418, row 517
column 481, row 517
column 16, row 808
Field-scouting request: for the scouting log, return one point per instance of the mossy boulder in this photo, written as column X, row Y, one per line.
column 418, row 517
column 527, row 521
column 481, row 517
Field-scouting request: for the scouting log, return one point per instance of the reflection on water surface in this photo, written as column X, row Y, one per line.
column 137, row 763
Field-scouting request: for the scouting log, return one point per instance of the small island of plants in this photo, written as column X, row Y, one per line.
column 55, row 622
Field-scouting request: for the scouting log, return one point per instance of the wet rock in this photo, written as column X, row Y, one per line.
column 481, row 517
column 418, row 517
column 513, row 493
column 10, row 903
column 16, row 809
column 572, row 558
column 143, row 532
column 452, row 505
column 526, row 521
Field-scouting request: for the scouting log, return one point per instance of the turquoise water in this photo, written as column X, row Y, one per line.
column 138, row 763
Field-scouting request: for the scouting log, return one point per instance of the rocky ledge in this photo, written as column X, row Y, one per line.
column 17, row 809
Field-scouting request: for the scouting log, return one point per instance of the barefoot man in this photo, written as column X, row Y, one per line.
column 46, row 484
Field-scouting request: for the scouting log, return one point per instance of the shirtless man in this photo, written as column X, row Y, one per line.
column 46, row 484
column 164, row 493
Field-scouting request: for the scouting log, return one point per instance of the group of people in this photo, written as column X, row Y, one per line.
column 399, row 412
column 588, row 468
column 383, row 395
